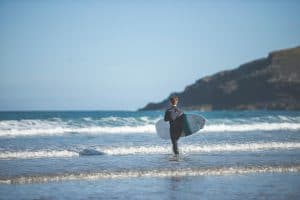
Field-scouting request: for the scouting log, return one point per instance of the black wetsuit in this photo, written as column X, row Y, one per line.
column 175, row 117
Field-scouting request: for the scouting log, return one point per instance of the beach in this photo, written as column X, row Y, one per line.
column 118, row 155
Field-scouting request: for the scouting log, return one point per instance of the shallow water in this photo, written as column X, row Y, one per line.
column 101, row 154
column 251, row 186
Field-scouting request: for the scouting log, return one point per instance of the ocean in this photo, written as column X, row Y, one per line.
column 117, row 155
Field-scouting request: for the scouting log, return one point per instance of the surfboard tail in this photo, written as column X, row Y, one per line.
column 192, row 124
column 186, row 126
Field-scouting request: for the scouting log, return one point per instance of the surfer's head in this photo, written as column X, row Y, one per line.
column 174, row 100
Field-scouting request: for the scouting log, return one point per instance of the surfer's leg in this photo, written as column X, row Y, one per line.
column 174, row 143
column 175, row 147
column 176, row 131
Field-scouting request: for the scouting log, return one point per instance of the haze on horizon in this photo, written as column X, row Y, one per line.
column 120, row 55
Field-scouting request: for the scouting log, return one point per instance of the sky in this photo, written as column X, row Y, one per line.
column 121, row 55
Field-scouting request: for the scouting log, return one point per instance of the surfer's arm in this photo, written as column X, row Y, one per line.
column 167, row 116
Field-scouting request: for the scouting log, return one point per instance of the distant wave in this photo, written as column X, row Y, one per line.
column 28, row 131
column 252, row 127
column 14, row 128
column 159, row 173
column 131, row 125
column 129, row 150
column 85, row 130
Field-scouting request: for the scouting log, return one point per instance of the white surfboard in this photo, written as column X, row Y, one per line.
column 192, row 124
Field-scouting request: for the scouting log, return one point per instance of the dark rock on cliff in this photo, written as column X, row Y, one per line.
column 266, row 83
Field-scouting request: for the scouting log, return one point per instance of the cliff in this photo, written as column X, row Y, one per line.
column 267, row 83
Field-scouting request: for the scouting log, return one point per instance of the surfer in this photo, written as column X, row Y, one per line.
column 175, row 117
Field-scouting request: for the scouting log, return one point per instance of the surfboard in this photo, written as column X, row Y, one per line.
column 192, row 124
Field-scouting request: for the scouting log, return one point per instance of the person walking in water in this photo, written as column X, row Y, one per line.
column 175, row 117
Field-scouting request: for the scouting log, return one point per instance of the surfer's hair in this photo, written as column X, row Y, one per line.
column 173, row 99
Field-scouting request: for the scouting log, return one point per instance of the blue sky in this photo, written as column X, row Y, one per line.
column 120, row 55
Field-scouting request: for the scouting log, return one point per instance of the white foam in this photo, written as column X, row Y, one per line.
column 158, row 173
column 251, row 127
column 87, row 118
column 132, row 125
column 86, row 130
column 164, row 149
column 199, row 148
column 149, row 129
column 7, row 155
column 87, row 125
column 128, row 121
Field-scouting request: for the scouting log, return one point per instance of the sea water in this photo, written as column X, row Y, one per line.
column 117, row 155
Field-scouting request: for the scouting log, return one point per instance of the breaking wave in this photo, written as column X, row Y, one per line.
column 201, row 148
column 130, row 150
column 132, row 125
column 159, row 173
column 85, row 130
column 252, row 127
column 56, row 126
column 144, row 129
column 7, row 155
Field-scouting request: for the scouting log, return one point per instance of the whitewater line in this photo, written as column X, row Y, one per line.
column 157, row 173
column 31, row 130
column 158, row 149
column 199, row 148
